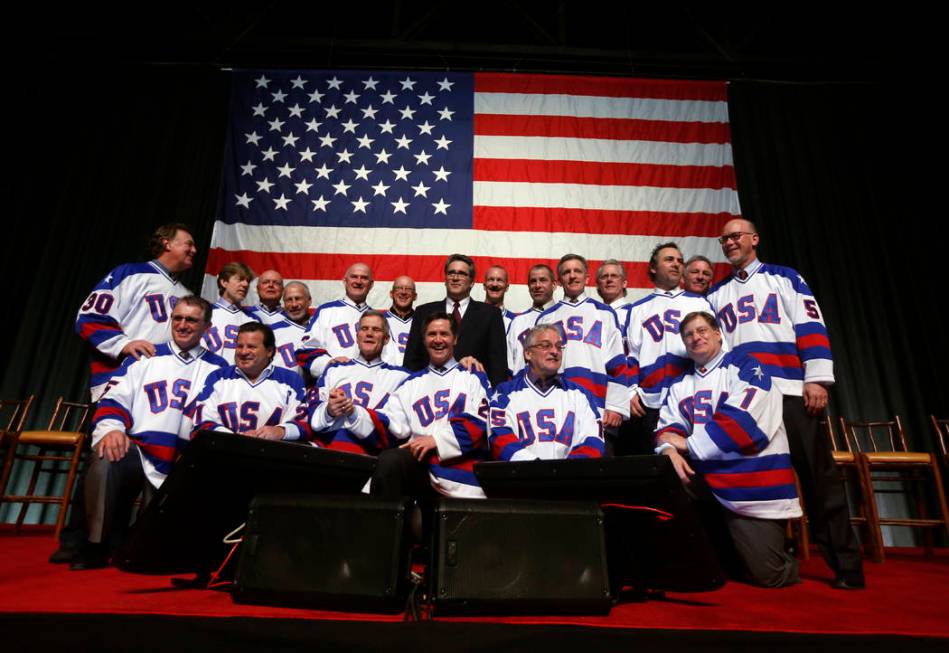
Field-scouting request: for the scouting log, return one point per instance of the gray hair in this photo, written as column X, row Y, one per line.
column 374, row 313
column 535, row 332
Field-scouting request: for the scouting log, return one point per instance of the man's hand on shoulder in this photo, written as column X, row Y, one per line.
column 138, row 348
column 471, row 364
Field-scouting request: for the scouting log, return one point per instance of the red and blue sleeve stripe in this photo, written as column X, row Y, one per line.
column 667, row 369
column 504, row 443
column 763, row 478
column 619, row 370
column 96, row 329
column 110, row 409
column 468, row 430
column 306, row 356
column 592, row 447
column 734, row 430
column 380, row 429
column 812, row 341
column 778, row 359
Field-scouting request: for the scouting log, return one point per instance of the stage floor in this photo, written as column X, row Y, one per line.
column 906, row 596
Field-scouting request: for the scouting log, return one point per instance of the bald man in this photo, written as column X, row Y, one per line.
column 331, row 335
column 495, row 286
column 269, row 294
column 769, row 313
column 399, row 317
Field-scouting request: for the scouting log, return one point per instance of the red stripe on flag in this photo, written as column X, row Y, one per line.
column 767, row 478
column 386, row 267
column 621, row 129
column 600, row 86
column 603, row 174
column 596, row 221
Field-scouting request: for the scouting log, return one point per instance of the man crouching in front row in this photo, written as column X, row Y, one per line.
column 722, row 426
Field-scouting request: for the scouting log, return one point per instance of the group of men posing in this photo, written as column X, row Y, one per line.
column 727, row 380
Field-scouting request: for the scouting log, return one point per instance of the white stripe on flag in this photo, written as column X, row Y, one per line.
column 601, row 150
column 585, row 106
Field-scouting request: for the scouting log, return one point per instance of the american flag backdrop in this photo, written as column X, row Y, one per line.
column 326, row 168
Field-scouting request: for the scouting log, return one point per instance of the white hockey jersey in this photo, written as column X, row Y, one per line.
column 394, row 351
column 134, row 302
column 732, row 417
column 288, row 338
column 657, row 356
column 593, row 358
column 368, row 385
column 226, row 319
column 773, row 317
column 149, row 403
column 231, row 402
column 331, row 333
column 449, row 404
column 263, row 314
column 527, row 423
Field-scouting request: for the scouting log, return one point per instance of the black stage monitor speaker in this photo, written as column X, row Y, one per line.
column 529, row 557
column 655, row 537
column 207, row 494
column 331, row 552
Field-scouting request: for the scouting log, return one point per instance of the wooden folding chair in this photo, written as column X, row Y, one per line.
column 61, row 441
column 13, row 413
column 884, row 456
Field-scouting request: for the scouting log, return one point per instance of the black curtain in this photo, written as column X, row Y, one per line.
column 97, row 158
column 842, row 181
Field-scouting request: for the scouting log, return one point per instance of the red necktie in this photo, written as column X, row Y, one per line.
column 455, row 313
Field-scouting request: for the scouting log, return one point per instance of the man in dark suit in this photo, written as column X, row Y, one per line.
column 481, row 341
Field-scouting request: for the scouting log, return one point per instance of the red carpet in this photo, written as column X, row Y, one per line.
column 905, row 596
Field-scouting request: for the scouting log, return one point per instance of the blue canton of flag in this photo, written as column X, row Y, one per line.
column 338, row 149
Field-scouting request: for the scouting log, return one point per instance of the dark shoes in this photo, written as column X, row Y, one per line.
column 849, row 580
column 92, row 556
column 63, row 554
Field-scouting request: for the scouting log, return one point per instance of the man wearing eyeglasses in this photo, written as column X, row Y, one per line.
column 721, row 427
column 481, row 346
column 539, row 415
column 139, row 428
column 768, row 312
column 399, row 316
